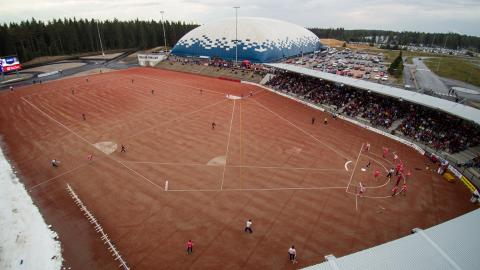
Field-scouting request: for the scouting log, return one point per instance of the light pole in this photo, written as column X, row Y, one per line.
column 444, row 45
column 164, row 37
column 100, row 39
column 236, row 34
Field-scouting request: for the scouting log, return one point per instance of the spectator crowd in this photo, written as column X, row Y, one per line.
column 436, row 129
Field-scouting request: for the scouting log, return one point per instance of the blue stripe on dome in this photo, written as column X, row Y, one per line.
column 252, row 51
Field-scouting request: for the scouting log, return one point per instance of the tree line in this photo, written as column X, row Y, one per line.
column 33, row 38
column 449, row 40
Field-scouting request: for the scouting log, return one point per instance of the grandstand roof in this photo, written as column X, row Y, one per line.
column 460, row 110
column 259, row 40
column 449, row 245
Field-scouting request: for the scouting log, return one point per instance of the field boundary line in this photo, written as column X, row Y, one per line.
column 228, row 144
column 60, row 175
column 253, row 189
column 230, row 166
column 302, row 130
column 85, row 140
column 354, row 167
column 179, row 84
column 172, row 120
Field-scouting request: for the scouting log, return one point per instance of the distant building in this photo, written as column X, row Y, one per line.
column 259, row 40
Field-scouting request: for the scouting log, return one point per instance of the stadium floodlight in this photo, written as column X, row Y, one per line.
column 100, row 39
column 236, row 34
column 164, row 37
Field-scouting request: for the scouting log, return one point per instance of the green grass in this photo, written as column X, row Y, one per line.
column 461, row 69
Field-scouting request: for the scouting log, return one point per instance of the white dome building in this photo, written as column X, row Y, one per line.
column 259, row 40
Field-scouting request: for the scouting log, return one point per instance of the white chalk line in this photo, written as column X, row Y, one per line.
column 58, row 176
column 253, row 189
column 85, row 140
column 354, row 167
column 178, row 84
column 228, row 144
column 172, row 120
column 229, row 166
column 346, row 164
column 303, row 131
column 356, row 202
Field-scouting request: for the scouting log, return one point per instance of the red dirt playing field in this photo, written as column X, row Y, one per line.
column 289, row 176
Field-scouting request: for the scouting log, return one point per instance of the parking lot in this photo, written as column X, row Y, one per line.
column 355, row 64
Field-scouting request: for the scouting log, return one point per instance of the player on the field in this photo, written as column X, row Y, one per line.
column 367, row 147
column 385, row 152
column 313, row 120
column 390, row 173
column 189, row 247
column 361, row 189
column 394, row 190
column 55, row 163
column 213, row 125
column 404, row 189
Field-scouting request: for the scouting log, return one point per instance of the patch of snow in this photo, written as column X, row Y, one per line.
column 26, row 242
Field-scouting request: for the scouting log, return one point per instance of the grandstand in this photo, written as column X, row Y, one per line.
column 442, row 127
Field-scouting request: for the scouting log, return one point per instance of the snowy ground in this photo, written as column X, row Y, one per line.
column 26, row 242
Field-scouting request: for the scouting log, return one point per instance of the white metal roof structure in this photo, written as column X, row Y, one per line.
column 449, row 245
column 258, row 39
column 460, row 110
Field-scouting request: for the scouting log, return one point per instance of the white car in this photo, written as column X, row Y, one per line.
column 376, row 77
column 385, row 78
column 375, row 70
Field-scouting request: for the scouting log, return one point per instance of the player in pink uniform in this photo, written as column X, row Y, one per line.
column 385, row 152
column 394, row 190
column 376, row 173
column 395, row 158
column 189, row 247
column 404, row 189
column 361, row 189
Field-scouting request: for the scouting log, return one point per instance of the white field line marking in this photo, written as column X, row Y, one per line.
column 254, row 189
column 58, row 176
column 58, row 123
column 386, row 182
column 354, row 167
column 85, row 140
column 230, row 166
column 179, row 84
column 346, row 165
column 228, row 144
column 371, row 197
column 308, row 134
column 172, row 120
column 356, row 202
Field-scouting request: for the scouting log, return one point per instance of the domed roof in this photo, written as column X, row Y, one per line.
column 259, row 40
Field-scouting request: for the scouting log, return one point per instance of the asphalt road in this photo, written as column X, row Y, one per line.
column 426, row 79
column 89, row 64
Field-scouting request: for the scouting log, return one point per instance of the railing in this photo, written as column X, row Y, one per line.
column 98, row 228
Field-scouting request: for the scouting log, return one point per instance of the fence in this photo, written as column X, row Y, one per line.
column 98, row 228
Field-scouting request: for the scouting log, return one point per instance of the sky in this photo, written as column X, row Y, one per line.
column 459, row 16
